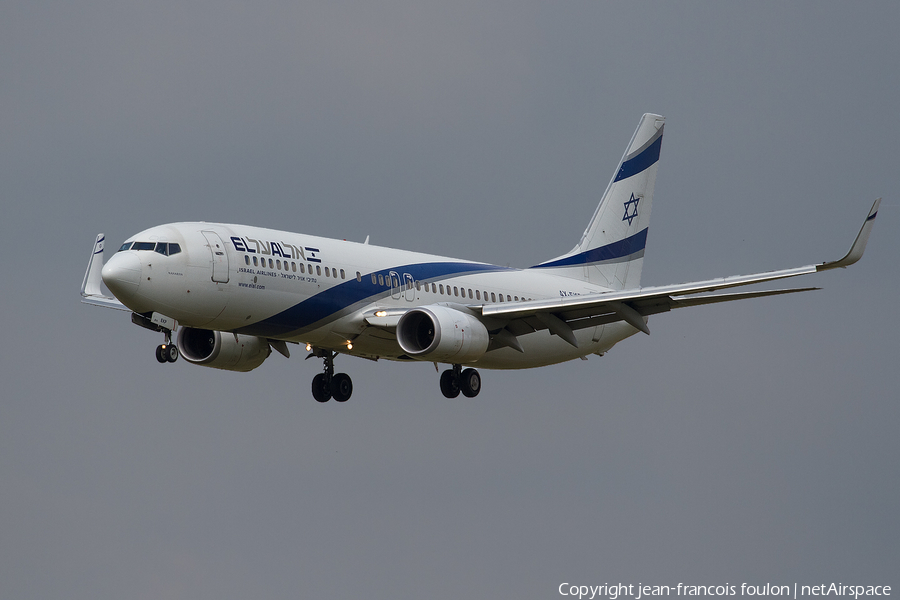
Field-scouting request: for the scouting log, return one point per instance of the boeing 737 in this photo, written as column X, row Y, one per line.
column 235, row 292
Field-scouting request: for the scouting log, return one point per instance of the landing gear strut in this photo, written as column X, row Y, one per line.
column 329, row 384
column 456, row 380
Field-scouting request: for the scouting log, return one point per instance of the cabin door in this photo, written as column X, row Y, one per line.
column 219, row 256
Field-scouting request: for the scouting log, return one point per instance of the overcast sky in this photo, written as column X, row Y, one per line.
column 747, row 442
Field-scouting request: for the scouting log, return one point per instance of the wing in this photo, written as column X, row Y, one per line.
column 562, row 316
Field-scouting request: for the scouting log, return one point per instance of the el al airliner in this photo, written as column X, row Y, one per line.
column 235, row 292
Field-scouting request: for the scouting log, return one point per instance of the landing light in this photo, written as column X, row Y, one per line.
column 349, row 346
column 381, row 313
column 308, row 347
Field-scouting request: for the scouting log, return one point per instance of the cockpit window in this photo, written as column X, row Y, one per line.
column 164, row 248
column 167, row 249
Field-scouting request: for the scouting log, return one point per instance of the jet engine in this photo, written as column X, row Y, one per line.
column 228, row 351
column 442, row 334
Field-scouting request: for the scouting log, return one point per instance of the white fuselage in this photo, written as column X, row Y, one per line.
column 312, row 290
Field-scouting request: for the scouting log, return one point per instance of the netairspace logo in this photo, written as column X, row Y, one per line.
column 795, row 591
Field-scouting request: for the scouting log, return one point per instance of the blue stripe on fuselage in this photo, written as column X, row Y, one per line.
column 616, row 250
column 338, row 300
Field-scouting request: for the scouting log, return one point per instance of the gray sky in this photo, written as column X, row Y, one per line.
column 750, row 442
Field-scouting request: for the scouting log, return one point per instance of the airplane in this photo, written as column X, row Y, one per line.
column 233, row 293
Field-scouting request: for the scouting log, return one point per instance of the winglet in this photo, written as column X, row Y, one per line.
column 91, row 292
column 859, row 245
column 91, row 284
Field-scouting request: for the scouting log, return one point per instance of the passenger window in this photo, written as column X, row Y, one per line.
column 342, row 274
column 374, row 279
column 501, row 297
column 493, row 298
column 271, row 264
column 442, row 288
column 255, row 262
column 380, row 279
column 470, row 293
column 433, row 288
column 477, row 295
column 358, row 277
column 508, row 299
column 278, row 264
column 294, row 267
column 327, row 272
column 318, row 270
column 417, row 286
column 247, row 259
column 302, row 268
column 455, row 291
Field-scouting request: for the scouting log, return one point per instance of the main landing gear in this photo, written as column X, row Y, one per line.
column 167, row 352
column 456, row 380
column 329, row 384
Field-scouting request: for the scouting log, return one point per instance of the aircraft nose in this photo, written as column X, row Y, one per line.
column 122, row 275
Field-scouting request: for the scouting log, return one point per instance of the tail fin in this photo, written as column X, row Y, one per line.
column 611, row 251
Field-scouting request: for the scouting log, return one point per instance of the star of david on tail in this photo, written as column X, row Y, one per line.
column 631, row 206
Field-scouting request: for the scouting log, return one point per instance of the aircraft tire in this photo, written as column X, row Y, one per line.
column 171, row 353
column 161, row 354
column 449, row 384
column 321, row 391
column 470, row 383
column 341, row 387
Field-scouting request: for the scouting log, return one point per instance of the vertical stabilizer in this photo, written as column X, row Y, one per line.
column 611, row 250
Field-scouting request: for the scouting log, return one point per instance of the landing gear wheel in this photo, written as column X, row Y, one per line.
column 171, row 352
column 321, row 391
column 449, row 384
column 470, row 383
column 341, row 387
column 161, row 354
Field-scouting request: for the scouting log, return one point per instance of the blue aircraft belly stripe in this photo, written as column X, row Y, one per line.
column 642, row 161
column 616, row 250
column 336, row 301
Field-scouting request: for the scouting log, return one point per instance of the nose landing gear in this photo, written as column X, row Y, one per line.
column 456, row 380
column 329, row 384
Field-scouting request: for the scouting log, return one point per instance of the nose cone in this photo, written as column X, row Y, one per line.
column 122, row 275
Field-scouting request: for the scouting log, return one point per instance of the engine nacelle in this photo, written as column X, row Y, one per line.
column 222, row 350
column 440, row 333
